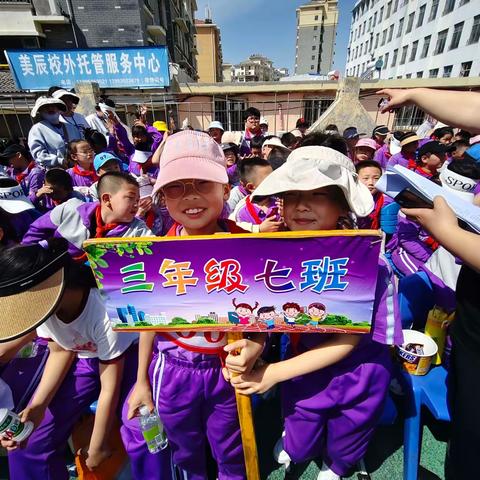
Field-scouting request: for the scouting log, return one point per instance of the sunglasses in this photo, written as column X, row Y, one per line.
column 176, row 190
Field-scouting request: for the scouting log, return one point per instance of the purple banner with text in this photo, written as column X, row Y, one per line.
column 317, row 282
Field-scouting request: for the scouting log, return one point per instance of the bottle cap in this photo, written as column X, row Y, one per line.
column 144, row 410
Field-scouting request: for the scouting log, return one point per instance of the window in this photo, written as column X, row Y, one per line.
column 449, row 6
column 314, row 47
column 312, row 67
column 426, row 46
column 384, row 37
column 410, row 22
column 366, row 46
column 389, row 9
column 463, row 2
column 377, row 38
column 457, row 33
column 385, row 62
column 447, row 71
column 395, row 6
column 315, row 27
column 408, row 75
column 316, row 17
column 369, row 23
column 394, row 58
column 420, row 74
column 408, row 118
column 404, row 54
column 381, row 16
column 465, row 69
column 390, row 33
column 313, row 57
column 441, row 41
column 421, row 15
column 400, row 27
column 364, row 26
column 374, row 18
column 434, row 10
column 475, row 33
column 433, row 73
column 413, row 53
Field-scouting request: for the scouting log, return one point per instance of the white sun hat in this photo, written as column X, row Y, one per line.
column 42, row 101
column 65, row 93
column 309, row 168
column 275, row 142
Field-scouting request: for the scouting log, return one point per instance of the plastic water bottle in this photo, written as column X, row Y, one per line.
column 152, row 429
column 12, row 428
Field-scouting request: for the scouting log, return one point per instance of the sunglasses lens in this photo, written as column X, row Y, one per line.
column 174, row 190
column 204, row 186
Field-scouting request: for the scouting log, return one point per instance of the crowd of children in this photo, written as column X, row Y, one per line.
column 73, row 183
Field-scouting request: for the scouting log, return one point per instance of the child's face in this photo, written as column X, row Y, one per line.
column 59, row 194
column 243, row 311
column 230, row 157
column 267, row 315
column 18, row 162
column 363, row 153
column 315, row 312
column 122, row 204
column 410, row 147
column 260, row 174
column 311, row 210
column 433, row 161
column 266, row 149
column 446, row 139
column 216, row 134
column 291, row 312
column 84, row 155
column 257, row 151
column 369, row 176
column 196, row 204
column 457, row 154
column 110, row 166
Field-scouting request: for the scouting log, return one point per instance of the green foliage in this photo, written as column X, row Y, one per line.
column 122, row 325
column 302, row 319
column 143, row 324
column 206, row 321
column 337, row 320
column 362, row 324
column 178, row 321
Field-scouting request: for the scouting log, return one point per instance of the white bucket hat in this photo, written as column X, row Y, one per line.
column 216, row 124
column 460, row 185
column 309, row 168
column 275, row 142
column 140, row 156
column 65, row 93
column 42, row 101
column 263, row 121
column 13, row 200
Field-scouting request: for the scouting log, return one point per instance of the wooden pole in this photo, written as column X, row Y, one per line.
column 245, row 418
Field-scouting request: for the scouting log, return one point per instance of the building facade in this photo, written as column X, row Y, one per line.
column 209, row 52
column 415, row 39
column 316, row 33
column 257, row 68
column 59, row 24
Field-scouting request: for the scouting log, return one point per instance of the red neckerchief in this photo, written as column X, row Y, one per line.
column 85, row 173
column 150, row 218
column 375, row 215
column 21, row 176
column 252, row 211
column 102, row 229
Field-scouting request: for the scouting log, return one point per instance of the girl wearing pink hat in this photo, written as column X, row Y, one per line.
column 364, row 150
column 184, row 374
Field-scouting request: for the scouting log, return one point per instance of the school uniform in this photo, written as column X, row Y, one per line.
column 81, row 177
column 400, row 158
column 332, row 413
column 31, row 179
column 249, row 215
column 383, row 155
column 77, row 221
column 194, row 401
column 91, row 336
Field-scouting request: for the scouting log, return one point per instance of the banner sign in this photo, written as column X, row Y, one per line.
column 285, row 282
column 128, row 67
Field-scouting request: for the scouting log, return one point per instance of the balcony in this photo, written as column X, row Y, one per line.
column 181, row 22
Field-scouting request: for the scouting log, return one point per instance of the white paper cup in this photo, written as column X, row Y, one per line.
column 414, row 363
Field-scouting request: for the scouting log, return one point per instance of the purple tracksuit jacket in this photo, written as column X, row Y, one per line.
column 72, row 220
column 332, row 413
column 31, row 183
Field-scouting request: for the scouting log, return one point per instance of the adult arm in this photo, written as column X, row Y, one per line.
column 458, row 109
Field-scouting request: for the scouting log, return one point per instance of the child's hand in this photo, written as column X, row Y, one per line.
column 44, row 190
column 144, row 206
column 257, row 381
column 438, row 220
column 34, row 414
column 94, row 457
column 141, row 395
column 270, row 224
column 245, row 360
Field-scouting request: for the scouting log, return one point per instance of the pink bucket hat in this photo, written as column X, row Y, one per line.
column 367, row 142
column 191, row 154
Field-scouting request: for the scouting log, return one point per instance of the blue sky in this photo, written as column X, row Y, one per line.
column 268, row 27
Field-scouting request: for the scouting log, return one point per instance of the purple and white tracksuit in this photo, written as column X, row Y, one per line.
column 31, row 183
column 73, row 220
column 333, row 412
column 196, row 404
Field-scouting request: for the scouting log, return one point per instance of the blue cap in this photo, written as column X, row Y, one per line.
column 474, row 152
column 102, row 158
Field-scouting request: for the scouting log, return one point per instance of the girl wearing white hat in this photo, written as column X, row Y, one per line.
column 335, row 387
column 48, row 138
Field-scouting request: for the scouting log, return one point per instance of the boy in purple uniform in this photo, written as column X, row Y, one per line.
column 335, row 385
column 113, row 216
column 409, row 144
column 23, row 169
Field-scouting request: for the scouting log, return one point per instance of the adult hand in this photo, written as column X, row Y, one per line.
column 270, row 224
column 144, row 205
column 439, row 219
column 396, row 98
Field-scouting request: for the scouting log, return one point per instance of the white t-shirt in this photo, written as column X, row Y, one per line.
column 90, row 334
